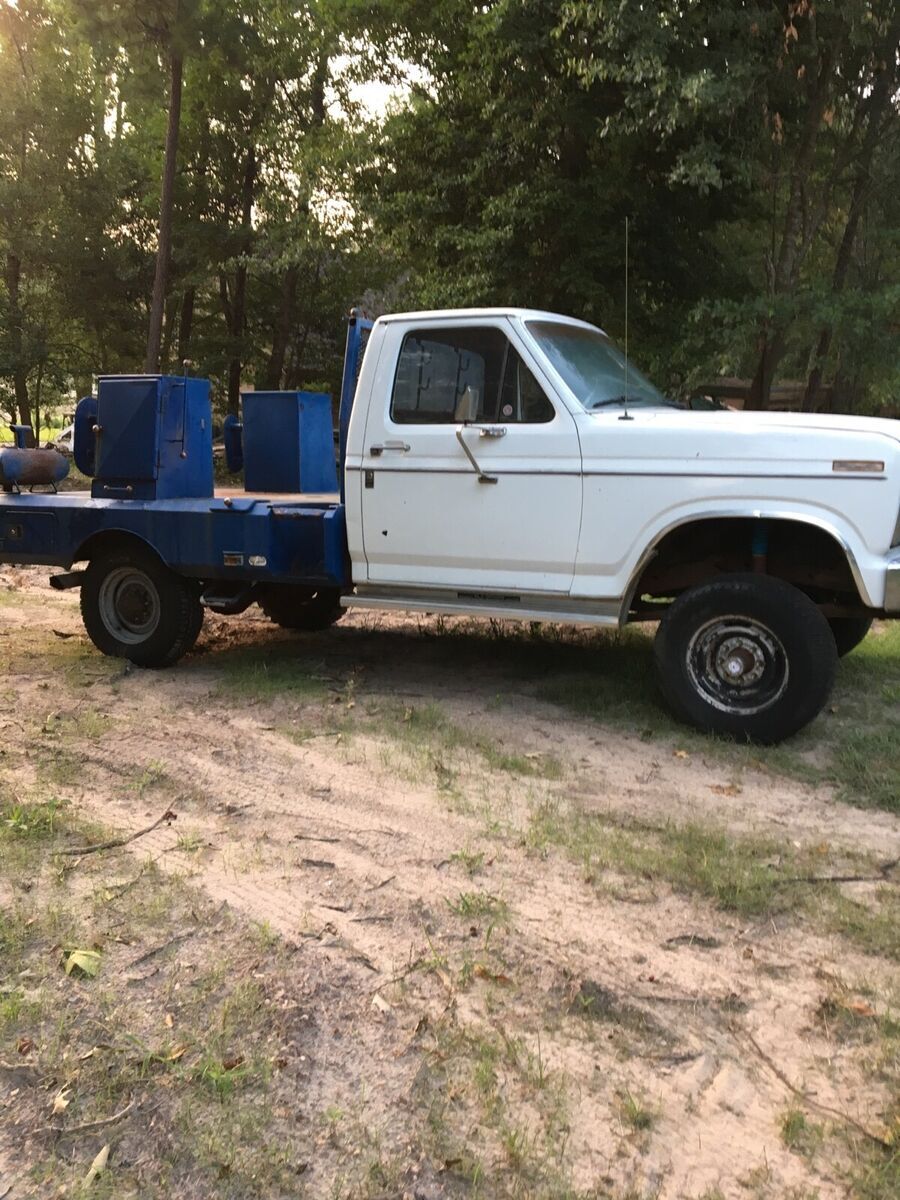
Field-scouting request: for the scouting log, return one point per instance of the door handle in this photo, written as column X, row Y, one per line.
column 377, row 450
column 492, row 431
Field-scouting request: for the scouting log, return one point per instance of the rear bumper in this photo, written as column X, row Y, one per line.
column 892, row 586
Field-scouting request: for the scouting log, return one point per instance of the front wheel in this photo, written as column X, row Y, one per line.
column 745, row 656
column 133, row 606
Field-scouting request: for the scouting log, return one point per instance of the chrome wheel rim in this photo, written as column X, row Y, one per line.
column 738, row 665
column 129, row 605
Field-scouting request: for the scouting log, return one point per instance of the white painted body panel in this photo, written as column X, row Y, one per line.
column 666, row 467
column 580, row 502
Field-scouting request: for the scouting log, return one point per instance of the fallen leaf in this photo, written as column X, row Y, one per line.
column 680, row 754
column 726, row 789
column 24, row 1045
column 380, row 1003
column 61, row 1100
column 231, row 1064
column 179, row 1051
column 484, row 972
column 861, row 1008
column 85, row 961
column 97, row 1167
column 170, row 1020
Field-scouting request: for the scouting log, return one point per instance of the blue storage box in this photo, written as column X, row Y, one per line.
column 152, row 438
column 288, row 442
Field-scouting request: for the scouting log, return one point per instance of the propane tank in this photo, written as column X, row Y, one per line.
column 29, row 468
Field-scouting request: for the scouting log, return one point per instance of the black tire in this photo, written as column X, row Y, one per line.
column 848, row 632
column 133, row 606
column 301, row 608
column 745, row 656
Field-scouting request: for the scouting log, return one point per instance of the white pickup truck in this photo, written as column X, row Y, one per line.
column 510, row 463
column 494, row 462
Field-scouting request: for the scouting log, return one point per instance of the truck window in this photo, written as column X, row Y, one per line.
column 437, row 365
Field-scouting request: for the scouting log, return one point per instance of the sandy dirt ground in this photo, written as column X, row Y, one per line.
column 302, row 810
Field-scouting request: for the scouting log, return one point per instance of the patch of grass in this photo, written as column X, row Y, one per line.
column 426, row 731
column 488, row 1101
column 39, row 820
column 752, row 876
column 635, row 1112
column 254, row 675
column 799, row 1134
column 479, row 904
column 865, row 766
column 472, row 862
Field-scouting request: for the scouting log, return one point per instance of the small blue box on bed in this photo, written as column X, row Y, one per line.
column 288, row 442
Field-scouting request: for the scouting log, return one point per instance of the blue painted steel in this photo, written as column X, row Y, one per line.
column 84, row 440
column 232, row 435
column 760, row 541
column 22, row 435
column 211, row 539
column 288, row 442
column 153, row 438
column 357, row 331
column 159, row 430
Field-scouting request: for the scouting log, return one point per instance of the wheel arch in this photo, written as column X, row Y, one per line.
column 695, row 525
column 106, row 540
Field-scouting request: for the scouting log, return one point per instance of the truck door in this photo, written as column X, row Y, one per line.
column 493, row 503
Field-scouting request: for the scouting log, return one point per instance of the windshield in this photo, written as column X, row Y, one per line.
column 594, row 367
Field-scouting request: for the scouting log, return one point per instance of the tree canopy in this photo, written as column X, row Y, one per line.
column 197, row 180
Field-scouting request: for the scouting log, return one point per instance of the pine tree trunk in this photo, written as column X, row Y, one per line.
column 238, row 306
column 186, row 322
column 164, row 247
column 16, row 337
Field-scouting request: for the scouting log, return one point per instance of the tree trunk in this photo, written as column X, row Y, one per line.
column 37, row 404
column 274, row 373
column 186, row 322
column 879, row 100
column 16, row 337
column 237, row 308
column 166, row 205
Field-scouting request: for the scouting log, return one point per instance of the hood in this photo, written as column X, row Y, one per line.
column 826, row 422
column 739, row 443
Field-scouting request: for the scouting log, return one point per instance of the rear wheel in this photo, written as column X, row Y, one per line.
column 745, row 656
column 849, row 632
column 133, row 606
column 301, row 608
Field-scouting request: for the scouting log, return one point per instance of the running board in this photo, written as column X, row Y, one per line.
column 563, row 609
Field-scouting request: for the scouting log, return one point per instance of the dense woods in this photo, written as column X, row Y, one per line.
column 199, row 180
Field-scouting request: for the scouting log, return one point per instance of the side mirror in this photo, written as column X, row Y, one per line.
column 467, row 407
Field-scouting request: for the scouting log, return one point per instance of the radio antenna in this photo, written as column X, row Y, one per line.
column 626, row 416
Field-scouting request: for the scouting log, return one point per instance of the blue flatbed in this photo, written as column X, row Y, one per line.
column 231, row 536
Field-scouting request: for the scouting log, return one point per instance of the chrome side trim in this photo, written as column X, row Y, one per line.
column 754, row 514
column 508, row 606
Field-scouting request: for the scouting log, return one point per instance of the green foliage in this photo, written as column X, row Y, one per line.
column 753, row 147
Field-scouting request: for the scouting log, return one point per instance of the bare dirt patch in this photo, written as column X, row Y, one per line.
column 568, row 956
